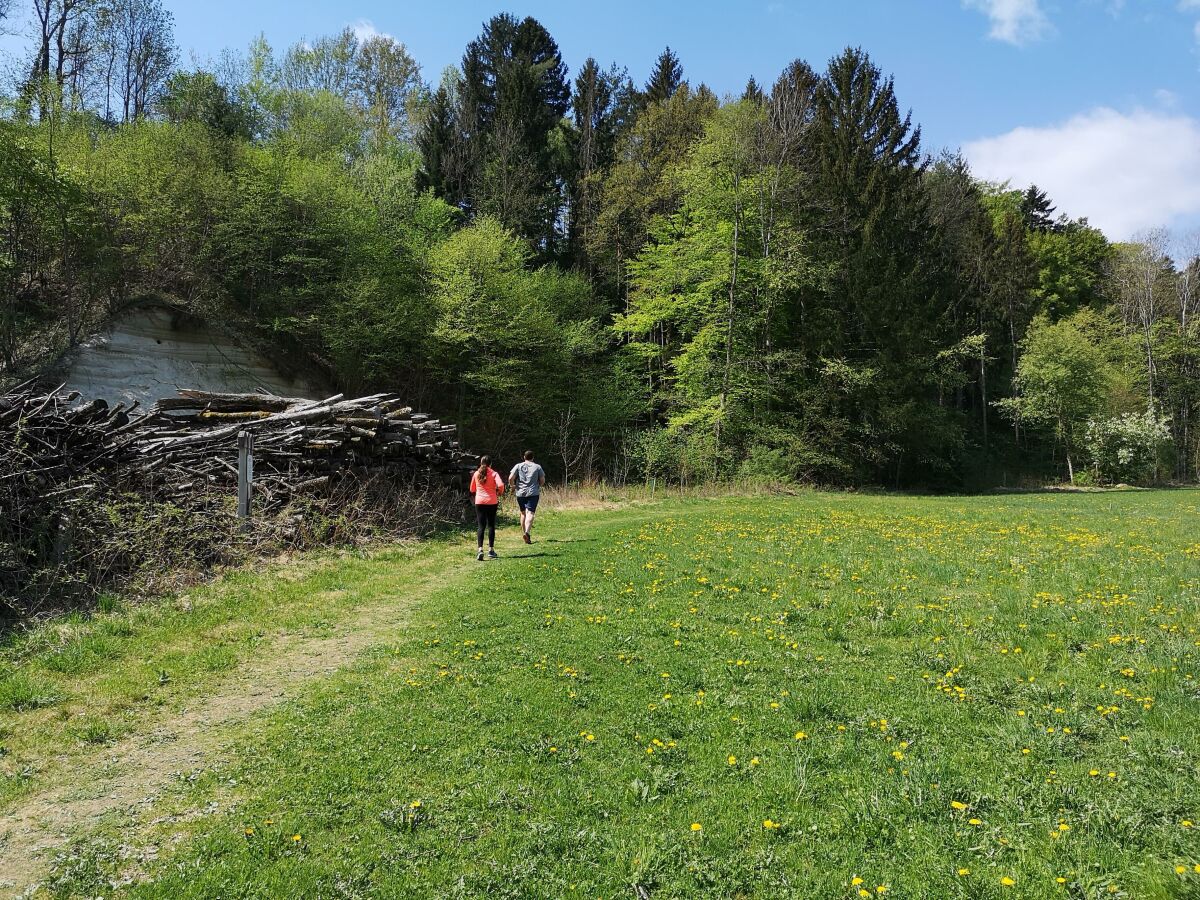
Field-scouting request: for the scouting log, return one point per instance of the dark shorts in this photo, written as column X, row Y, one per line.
column 528, row 503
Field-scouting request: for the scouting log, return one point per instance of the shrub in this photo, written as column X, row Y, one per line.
column 1127, row 448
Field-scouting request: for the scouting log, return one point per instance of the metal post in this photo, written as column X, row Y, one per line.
column 245, row 472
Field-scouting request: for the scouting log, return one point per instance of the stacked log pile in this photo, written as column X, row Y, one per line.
column 189, row 441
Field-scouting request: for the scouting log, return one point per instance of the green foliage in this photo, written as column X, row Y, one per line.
column 1072, row 261
column 199, row 97
column 783, row 274
column 518, row 342
column 1063, row 380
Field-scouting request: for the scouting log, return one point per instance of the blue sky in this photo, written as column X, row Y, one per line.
column 1098, row 100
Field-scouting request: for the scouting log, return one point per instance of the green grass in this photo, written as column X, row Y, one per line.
column 729, row 698
column 81, row 681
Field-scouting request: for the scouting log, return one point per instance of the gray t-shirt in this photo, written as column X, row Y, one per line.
column 525, row 479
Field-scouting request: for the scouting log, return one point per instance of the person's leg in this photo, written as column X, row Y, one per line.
column 491, row 520
column 530, row 508
column 480, row 522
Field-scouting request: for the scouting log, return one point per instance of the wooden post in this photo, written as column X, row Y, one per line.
column 245, row 472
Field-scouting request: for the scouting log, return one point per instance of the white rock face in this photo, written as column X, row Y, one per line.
column 151, row 352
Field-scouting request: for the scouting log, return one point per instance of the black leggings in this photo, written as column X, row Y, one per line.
column 485, row 517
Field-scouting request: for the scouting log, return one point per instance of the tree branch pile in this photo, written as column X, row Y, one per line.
column 190, row 441
column 91, row 492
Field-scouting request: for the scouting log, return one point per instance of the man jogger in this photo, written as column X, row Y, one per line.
column 526, row 480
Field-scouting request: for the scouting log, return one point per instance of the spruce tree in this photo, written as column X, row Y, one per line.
column 665, row 79
column 513, row 97
column 436, row 142
column 1037, row 210
column 753, row 92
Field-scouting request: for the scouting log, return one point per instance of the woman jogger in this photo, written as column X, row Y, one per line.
column 486, row 486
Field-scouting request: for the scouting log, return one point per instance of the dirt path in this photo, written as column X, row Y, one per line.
column 126, row 778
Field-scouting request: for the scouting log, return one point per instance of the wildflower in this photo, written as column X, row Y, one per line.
column 1061, row 880
column 1186, row 823
column 964, row 872
column 1007, row 882
column 696, row 826
column 800, row 735
column 416, row 804
column 855, row 881
column 249, row 832
column 731, row 759
column 974, row 822
column 1180, row 870
column 1094, row 772
column 769, row 824
column 881, row 889
column 957, row 804
column 295, row 838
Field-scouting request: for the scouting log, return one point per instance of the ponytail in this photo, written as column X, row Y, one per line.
column 481, row 472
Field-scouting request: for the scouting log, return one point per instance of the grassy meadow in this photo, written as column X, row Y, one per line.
column 817, row 696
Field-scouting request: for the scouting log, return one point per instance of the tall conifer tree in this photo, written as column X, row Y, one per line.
column 665, row 79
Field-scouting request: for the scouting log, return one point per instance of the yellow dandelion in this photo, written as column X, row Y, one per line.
column 1007, row 882
column 964, row 872
column 957, row 804
column 800, row 735
column 731, row 759
column 696, row 826
column 295, row 838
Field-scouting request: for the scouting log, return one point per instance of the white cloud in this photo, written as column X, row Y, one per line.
column 1166, row 98
column 364, row 30
column 1124, row 172
column 1015, row 21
